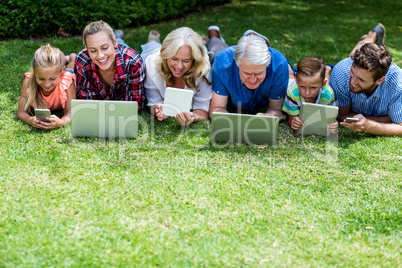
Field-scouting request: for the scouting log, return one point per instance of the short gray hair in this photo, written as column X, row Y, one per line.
column 254, row 49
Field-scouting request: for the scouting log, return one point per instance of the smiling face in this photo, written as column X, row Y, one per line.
column 47, row 79
column 361, row 81
column 309, row 86
column 101, row 50
column 180, row 63
column 252, row 75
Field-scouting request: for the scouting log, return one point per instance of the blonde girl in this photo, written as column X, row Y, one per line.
column 48, row 86
column 181, row 62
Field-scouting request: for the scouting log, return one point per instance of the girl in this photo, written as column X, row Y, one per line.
column 49, row 86
column 181, row 62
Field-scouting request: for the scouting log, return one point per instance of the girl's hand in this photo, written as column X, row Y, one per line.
column 185, row 118
column 296, row 123
column 52, row 122
column 158, row 112
column 32, row 121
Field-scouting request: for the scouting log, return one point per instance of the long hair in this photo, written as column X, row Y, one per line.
column 45, row 57
column 172, row 43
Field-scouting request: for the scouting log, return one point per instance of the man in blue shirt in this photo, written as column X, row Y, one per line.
column 249, row 76
column 368, row 86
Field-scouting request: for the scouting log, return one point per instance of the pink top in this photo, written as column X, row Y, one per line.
column 57, row 100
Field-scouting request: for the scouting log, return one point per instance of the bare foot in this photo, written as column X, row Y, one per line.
column 63, row 32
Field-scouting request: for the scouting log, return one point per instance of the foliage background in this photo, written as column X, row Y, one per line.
column 21, row 18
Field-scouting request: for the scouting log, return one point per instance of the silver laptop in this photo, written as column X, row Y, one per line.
column 316, row 118
column 244, row 128
column 104, row 119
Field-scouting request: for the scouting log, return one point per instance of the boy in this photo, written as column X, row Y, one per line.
column 311, row 86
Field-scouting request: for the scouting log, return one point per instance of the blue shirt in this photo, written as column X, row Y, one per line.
column 226, row 80
column 386, row 99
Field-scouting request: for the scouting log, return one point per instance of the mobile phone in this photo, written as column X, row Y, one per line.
column 351, row 119
column 41, row 114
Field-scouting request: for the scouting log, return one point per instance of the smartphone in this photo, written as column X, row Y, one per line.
column 351, row 119
column 41, row 114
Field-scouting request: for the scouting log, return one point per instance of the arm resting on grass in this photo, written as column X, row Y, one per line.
column 218, row 103
column 345, row 112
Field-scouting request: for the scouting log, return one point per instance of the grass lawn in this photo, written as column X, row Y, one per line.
column 172, row 199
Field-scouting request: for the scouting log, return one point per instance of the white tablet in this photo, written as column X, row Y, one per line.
column 177, row 101
column 316, row 118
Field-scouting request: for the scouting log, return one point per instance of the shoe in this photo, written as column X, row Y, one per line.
column 119, row 34
column 154, row 36
column 379, row 29
column 215, row 28
column 248, row 32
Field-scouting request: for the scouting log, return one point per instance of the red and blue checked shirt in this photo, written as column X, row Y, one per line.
column 128, row 81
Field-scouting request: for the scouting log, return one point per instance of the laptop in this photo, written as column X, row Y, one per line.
column 177, row 101
column 316, row 118
column 104, row 119
column 244, row 128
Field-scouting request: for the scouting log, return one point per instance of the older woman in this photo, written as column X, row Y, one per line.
column 106, row 70
column 181, row 62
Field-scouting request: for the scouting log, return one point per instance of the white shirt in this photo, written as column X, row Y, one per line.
column 155, row 85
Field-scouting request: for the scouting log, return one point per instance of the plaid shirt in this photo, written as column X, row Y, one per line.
column 128, row 81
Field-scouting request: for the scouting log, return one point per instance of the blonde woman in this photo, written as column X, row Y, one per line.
column 48, row 86
column 181, row 62
column 106, row 70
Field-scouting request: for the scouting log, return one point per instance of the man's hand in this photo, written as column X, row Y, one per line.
column 359, row 126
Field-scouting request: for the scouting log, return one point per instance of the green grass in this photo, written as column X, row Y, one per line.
column 172, row 199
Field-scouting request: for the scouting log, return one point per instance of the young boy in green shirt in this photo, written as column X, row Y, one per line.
column 310, row 86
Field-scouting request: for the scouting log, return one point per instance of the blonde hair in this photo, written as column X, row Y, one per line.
column 45, row 57
column 95, row 27
column 172, row 43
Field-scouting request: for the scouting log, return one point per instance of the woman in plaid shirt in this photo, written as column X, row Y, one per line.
column 106, row 70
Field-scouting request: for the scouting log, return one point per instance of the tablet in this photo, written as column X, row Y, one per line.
column 316, row 118
column 177, row 101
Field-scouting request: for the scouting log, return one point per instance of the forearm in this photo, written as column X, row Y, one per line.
column 200, row 115
column 274, row 112
column 152, row 110
column 65, row 119
column 380, row 119
column 383, row 129
column 23, row 116
column 217, row 109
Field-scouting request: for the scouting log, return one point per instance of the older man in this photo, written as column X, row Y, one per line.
column 368, row 86
column 248, row 77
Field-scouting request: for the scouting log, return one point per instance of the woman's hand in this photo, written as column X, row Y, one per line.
column 185, row 118
column 158, row 112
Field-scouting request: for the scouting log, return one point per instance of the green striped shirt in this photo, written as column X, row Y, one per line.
column 293, row 99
